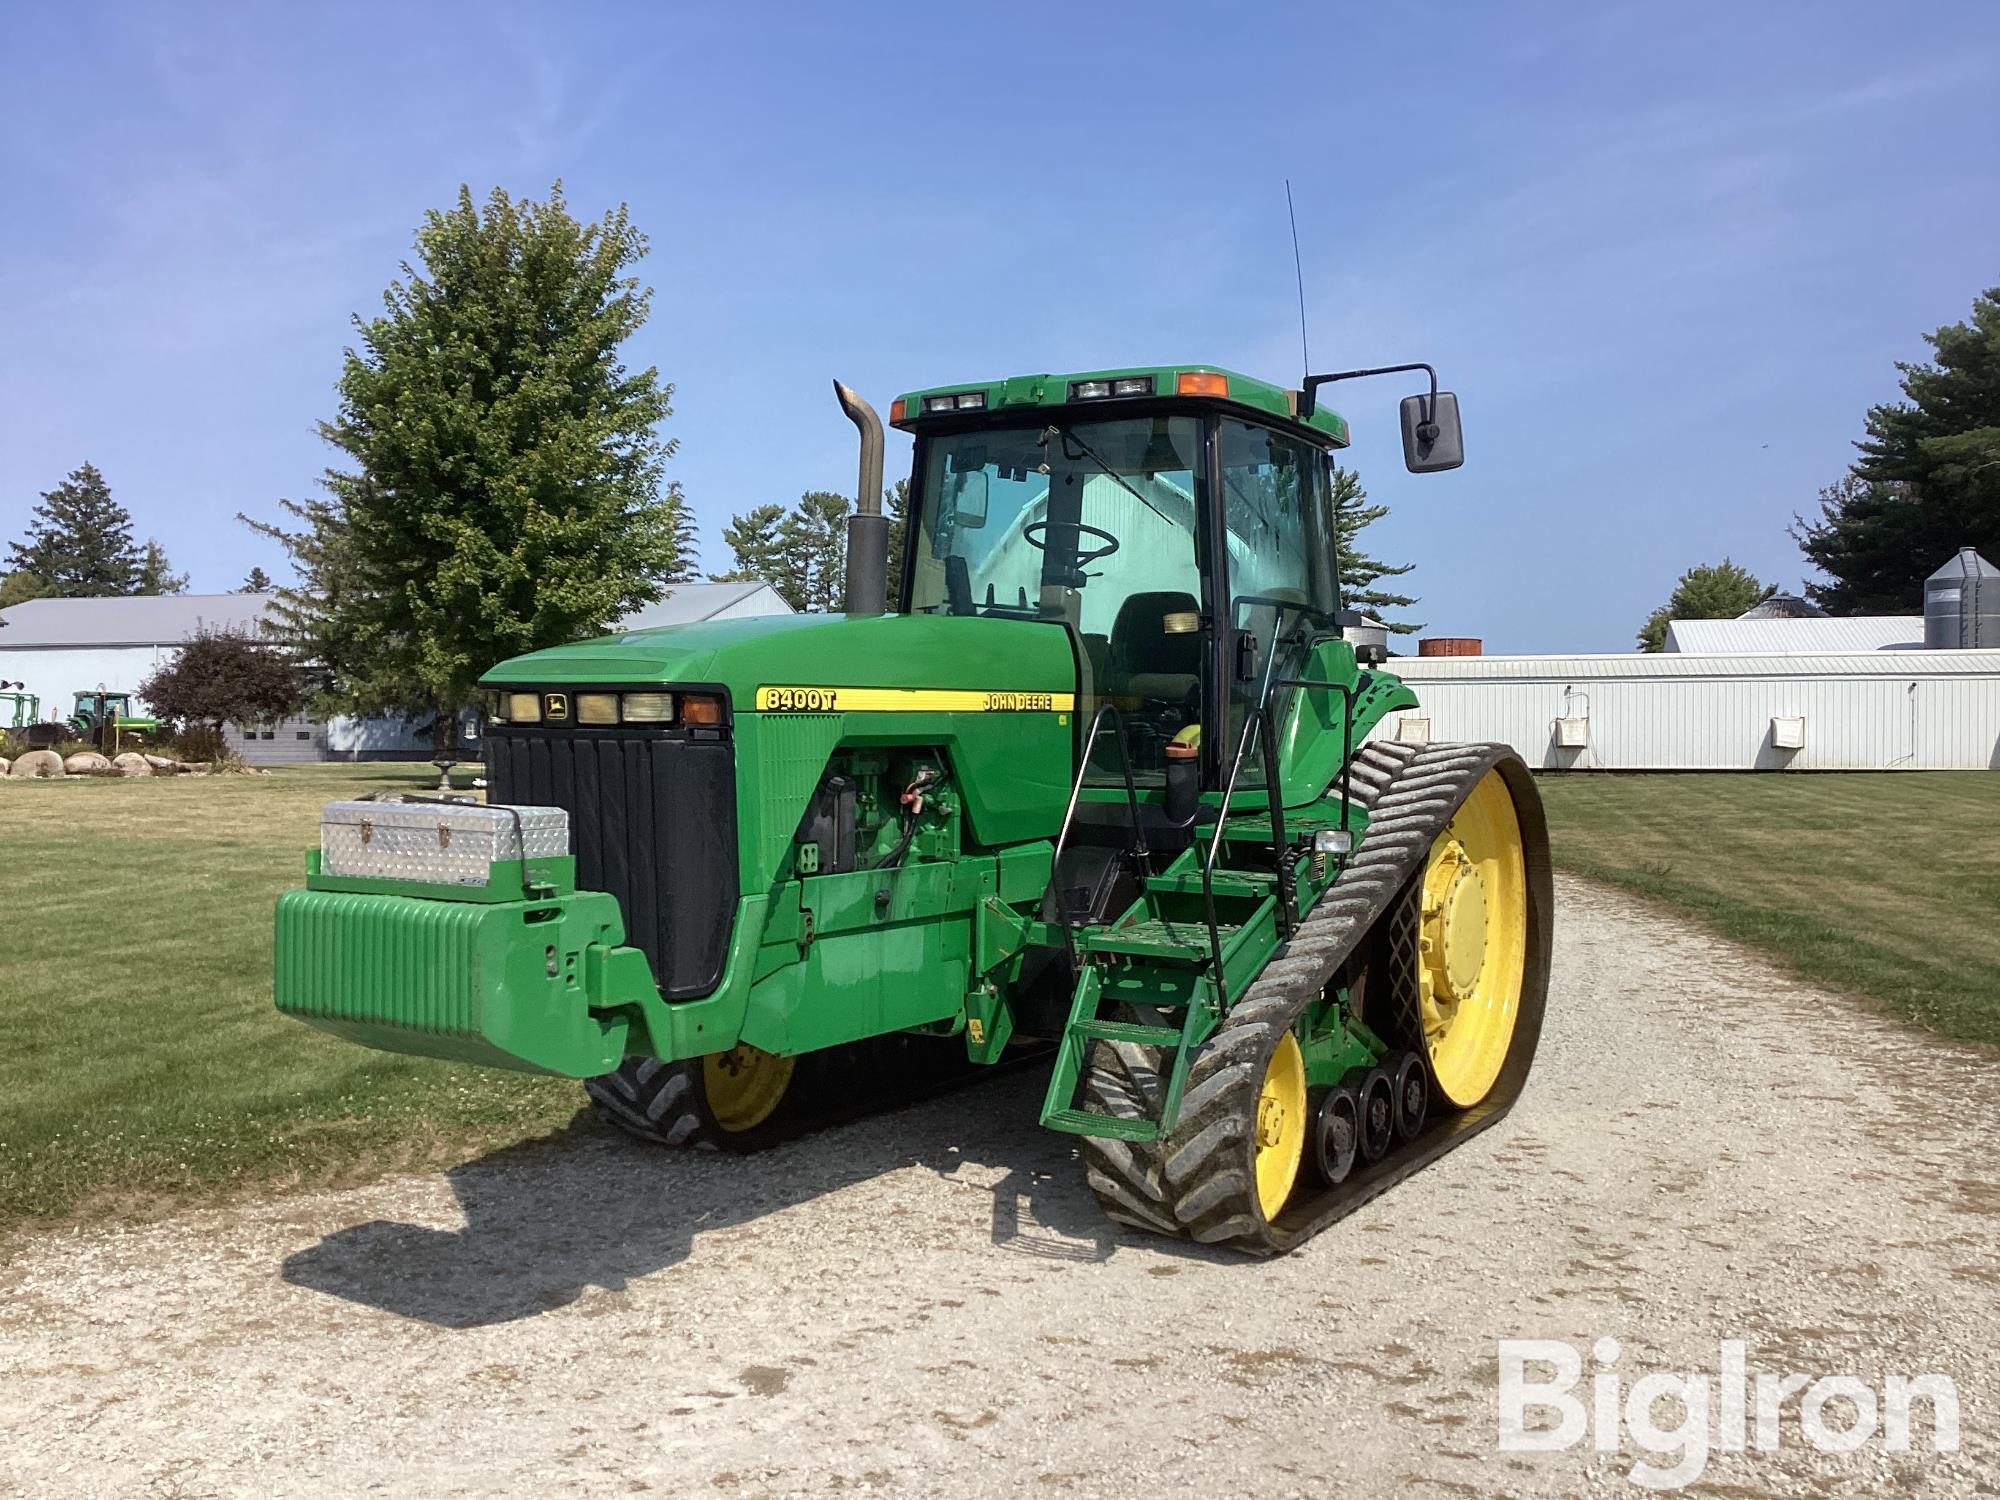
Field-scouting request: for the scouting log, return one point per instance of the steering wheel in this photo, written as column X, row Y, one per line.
column 1082, row 558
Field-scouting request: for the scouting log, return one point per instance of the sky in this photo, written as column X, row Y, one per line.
column 1667, row 256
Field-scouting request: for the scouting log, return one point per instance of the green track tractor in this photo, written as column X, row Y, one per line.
column 1108, row 790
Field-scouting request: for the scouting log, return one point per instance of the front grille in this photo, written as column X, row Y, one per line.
column 652, row 819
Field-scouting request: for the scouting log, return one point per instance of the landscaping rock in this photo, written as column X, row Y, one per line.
column 87, row 763
column 4, row 764
column 36, row 765
column 160, row 762
column 132, row 763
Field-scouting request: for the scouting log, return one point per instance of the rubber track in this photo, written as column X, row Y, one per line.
column 1199, row 1183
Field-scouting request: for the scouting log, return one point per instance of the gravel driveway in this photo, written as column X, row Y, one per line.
column 930, row 1304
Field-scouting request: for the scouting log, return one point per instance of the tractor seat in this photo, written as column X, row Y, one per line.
column 1146, row 660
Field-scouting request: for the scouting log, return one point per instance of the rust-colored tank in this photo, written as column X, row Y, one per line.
column 1449, row 645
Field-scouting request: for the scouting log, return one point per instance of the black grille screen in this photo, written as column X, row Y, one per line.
column 652, row 821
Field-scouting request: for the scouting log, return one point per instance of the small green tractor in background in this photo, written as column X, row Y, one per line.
column 106, row 719
column 1108, row 786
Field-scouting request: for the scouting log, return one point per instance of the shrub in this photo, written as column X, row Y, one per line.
column 198, row 742
column 226, row 676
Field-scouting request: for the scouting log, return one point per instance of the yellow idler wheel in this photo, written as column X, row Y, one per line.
column 744, row 1086
column 1473, row 942
column 1281, row 1125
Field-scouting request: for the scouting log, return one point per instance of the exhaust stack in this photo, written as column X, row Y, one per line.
column 867, row 528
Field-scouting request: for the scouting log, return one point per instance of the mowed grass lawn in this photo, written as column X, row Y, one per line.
column 140, row 1057
column 1886, row 886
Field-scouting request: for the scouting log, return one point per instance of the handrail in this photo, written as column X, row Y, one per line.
column 1260, row 715
column 1069, row 817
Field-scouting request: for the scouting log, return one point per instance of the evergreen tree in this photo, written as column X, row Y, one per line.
column 156, row 574
column 1357, row 571
column 1710, row 591
column 259, row 582
column 686, row 564
column 896, row 501
column 502, row 488
column 812, row 552
column 752, row 539
column 79, row 543
column 1927, row 481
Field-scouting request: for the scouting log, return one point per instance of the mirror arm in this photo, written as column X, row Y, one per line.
column 1309, row 392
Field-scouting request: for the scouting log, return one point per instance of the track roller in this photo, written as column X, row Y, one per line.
column 1378, row 1113
column 1336, row 1134
column 1413, row 1097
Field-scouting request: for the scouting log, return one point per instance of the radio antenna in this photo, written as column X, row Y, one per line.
column 1298, row 270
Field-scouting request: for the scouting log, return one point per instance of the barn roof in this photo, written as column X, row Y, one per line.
column 169, row 619
column 129, row 620
column 1813, row 634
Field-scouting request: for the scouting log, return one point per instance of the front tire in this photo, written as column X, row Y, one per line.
column 740, row 1100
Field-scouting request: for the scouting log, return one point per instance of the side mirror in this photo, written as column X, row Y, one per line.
column 1434, row 445
column 970, row 502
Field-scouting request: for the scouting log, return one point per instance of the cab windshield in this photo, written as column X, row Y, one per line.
column 1087, row 523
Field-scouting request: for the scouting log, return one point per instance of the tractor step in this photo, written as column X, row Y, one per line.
column 1128, row 1031
column 1233, row 883
column 1181, row 944
column 1088, row 1122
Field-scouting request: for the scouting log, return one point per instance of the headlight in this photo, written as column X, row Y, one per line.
column 597, row 708
column 524, row 708
column 649, row 708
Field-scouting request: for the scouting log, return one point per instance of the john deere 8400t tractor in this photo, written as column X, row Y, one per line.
column 1105, row 781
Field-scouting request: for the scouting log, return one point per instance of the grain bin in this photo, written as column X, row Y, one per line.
column 1962, row 604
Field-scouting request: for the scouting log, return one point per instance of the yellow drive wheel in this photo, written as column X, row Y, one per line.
column 745, row 1086
column 1281, row 1125
column 1473, row 942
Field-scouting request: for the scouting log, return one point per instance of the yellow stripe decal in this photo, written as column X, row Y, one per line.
column 853, row 700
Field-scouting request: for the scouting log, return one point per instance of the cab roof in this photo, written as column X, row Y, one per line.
column 1210, row 383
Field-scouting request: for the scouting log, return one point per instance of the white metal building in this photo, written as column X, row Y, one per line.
column 60, row 647
column 1848, row 711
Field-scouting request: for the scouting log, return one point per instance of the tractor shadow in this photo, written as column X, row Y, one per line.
column 586, row 1207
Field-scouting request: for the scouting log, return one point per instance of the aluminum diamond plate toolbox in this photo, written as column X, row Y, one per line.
column 445, row 843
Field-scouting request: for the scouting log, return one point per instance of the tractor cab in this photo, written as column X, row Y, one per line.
column 106, row 719
column 1177, row 523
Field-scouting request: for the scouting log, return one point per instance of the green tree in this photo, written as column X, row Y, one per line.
column 502, row 481
column 812, row 552
column 258, row 582
column 801, row 552
column 79, row 542
column 896, row 500
column 752, row 539
column 19, row 588
column 156, row 575
column 1927, row 481
column 1710, row 591
column 1357, row 571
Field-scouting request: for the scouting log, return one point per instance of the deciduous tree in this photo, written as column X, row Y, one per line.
column 1709, row 591
column 226, row 676
column 500, row 486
